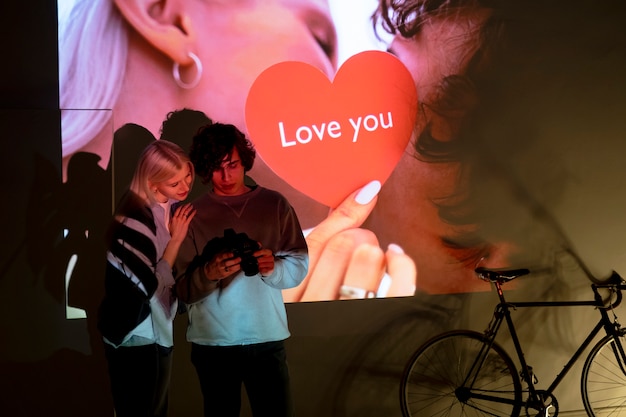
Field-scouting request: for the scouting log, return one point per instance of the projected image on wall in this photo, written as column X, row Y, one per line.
column 361, row 114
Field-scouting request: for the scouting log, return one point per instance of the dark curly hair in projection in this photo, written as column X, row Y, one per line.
column 466, row 100
column 456, row 96
column 215, row 142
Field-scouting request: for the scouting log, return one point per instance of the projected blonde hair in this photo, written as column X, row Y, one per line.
column 93, row 47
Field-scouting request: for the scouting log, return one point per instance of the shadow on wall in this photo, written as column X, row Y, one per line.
column 53, row 262
column 57, row 267
column 369, row 383
column 54, row 360
column 180, row 126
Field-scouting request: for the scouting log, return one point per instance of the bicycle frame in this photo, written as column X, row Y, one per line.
column 502, row 313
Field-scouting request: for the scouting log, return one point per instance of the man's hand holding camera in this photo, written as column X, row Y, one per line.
column 265, row 259
column 222, row 266
column 236, row 252
column 226, row 264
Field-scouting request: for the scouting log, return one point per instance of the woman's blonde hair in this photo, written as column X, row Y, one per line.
column 158, row 162
column 89, row 82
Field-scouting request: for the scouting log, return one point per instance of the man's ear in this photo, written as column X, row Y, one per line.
column 163, row 23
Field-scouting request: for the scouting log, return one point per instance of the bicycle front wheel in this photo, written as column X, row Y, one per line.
column 604, row 379
column 459, row 374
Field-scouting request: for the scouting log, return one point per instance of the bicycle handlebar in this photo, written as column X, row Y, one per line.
column 614, row 280
column 615, row 283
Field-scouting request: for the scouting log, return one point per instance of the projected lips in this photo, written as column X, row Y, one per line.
column 328, row 139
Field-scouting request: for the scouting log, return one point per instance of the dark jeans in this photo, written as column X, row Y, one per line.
column 140, row 379
column 262, row 368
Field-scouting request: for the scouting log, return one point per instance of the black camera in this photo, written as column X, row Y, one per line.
column 243, row 247
column 239, row 244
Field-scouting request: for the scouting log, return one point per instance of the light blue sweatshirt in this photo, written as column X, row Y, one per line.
column 240, row 309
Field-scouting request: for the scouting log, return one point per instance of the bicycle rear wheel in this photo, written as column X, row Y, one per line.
column 441, row 379
column 603, row 384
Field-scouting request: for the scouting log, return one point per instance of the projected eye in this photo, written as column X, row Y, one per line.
column 461, row 237
column 466, row 248
column 323, row 31
column 327, row 46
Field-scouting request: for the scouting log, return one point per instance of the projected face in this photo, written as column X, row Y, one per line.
column 234, row 41
column 421, row 188
column 238, row 40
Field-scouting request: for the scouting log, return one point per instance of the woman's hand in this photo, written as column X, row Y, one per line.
column 348, row 262
column 180, row 221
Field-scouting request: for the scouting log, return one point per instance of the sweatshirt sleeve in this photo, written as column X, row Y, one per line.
column 192, row 284
column 165, row 287
column 291, row 257
column 290, row 268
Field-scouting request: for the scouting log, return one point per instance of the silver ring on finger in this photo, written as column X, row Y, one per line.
column 349, row 292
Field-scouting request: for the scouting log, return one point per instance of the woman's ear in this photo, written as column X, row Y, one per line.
column 163, row 23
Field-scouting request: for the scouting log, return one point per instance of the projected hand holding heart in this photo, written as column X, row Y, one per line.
column 328, row 139
column 325, row 138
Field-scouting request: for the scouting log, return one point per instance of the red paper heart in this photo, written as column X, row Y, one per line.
column 329, row 139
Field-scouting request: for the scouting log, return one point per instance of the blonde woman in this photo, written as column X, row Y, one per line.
column 137, row 313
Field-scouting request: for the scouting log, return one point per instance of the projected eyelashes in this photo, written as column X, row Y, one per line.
column 323, row 32
column 463, row 239
column 328, row 46
column 466, row 247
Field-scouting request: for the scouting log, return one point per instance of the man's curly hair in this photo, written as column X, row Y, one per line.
column 215, row 142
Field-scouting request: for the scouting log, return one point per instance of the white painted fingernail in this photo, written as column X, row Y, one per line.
column 384, row 286
column 395, row 248
column 368, row 192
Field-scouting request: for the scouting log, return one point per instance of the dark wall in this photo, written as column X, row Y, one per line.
column 37, row 364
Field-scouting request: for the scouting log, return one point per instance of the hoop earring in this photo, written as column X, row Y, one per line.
column 196, row 80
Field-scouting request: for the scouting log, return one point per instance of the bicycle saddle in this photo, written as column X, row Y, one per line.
column 500, row 275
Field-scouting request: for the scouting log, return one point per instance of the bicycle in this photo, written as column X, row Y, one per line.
column 467, row 373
